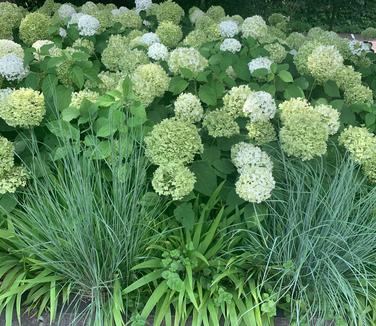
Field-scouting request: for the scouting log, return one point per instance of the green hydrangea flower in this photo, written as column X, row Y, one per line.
column 188, row 107
column 216, row 13
column 129, row 19
column 169, row 11
column 169, row 33
column 220, row 123
column 255, row 27
column 234, row 100
column 6, row 31
column 195, row 38
column 149, row 81
column 330, row 116
column 174, row 180
column 78, row 97
column 12, row 179
column 6, row 155
column 359, row 142
column 347, row 77
column 188, row 58
column 48, row 8
column 10, row 47
column 278, row 20
column 173, row 141
column 84, row 44
column 295, row 40
column 358, row 94
column 24, row 107
column 10, row 14
column 304, row 133
column 277, row 52
column 324, row 62
column 261, row 132
column 34, row 27
column 117, row 56
column 301, row 57
column 109, row 81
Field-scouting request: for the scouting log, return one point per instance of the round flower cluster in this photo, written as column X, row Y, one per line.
column 233, row 101
column 173, row 141
column 244, row 155
column 108, row 81
column 119, row 11
column 143, row 5
column 259, row 63
column 220, row 123
column 10, row 18
column 169, row 11
column 169, row 33
column 174, row 180
column 230, row 44
column 12, row 67
column 323, row 62
column 216, row 13
column 330, row 116
column 260, row 106
column 347, row 77
column 194, row 14
column 34, row 27
column 23, row 107
column 255, row 27
column 66, row 11
column 295, row 40
column 277, row 52
column 305, row 130
column 361, row 144
column 188, row 107
column 301, row 57
column 12, row 179
column 149, row 81
column 195, row 38
column 358, row 94
column 10, row 47
column 149, row 39
column 129, row 19
column 85, row 45
column 6, row 155
column 187, row 58
column 261, row 132
column 78, row 97
column 228, row 28
column 88, row 25
column 158, row 51
column 255, row 184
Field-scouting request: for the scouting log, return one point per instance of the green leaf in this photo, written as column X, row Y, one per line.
column 77, row 75
column 70, row 113
column 185, row 215
column 302, row 82
column 331, row 89
column 8, row 202
column 139, row 116
column 224, row 166
column 63, row 129
column 285, row 76
column 177, row 85
column 208, row 94
column 293, row 91
column 104, row 127
column 211, row 153
column 370, row 119
column 206, row 177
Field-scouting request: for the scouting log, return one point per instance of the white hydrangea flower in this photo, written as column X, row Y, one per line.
column 143, row 4
column 293, row 52
column 245, row 154
column 74, row 18
column 88, row 25
column 117, row 12
column 10, row 47
column 158, row 51
column 255, row 184
column 259, row 63
column 4, row 93
column 12, row 68
column 188, row 58
column 331, row 117
column 37, row 45
column 230, row 44
column 149, row 39
column 255, row 27
column 228, row 28
column 358, row 47
column 146, row 23
column 260, row 106
column 62, row 32
column 188, row 107
column 66, row 11
column 195, row 14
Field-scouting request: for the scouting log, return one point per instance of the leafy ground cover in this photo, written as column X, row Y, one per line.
column 185, row 165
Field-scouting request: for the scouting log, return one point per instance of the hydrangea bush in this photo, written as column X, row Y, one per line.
column 214, row 95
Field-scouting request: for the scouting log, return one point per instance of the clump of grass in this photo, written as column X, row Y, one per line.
column 316, row 245
column 86, row 221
